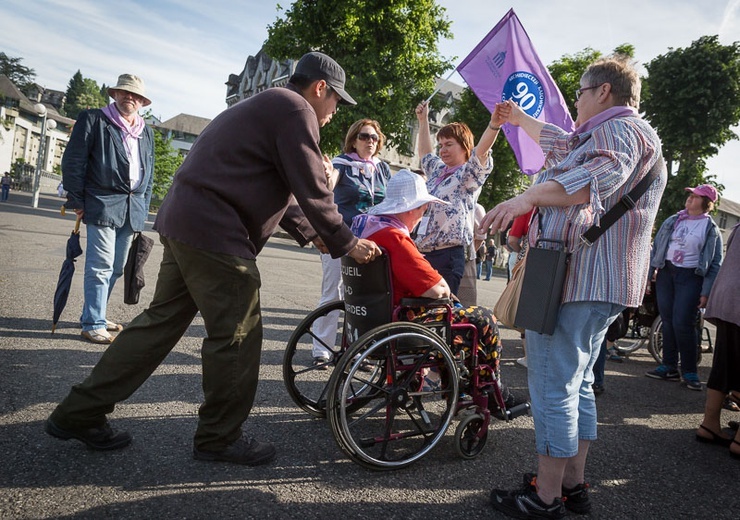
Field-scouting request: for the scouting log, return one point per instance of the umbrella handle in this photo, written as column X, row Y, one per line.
column 77, row 223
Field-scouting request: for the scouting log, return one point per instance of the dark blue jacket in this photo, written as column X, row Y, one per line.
column 95, row 173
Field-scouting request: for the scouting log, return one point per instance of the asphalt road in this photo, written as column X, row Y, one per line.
column 646, row 463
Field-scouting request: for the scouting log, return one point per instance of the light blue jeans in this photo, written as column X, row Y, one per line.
column 105, row 258
column 560, row 371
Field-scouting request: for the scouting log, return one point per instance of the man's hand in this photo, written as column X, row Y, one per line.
column 365, row 251
column 320, row 245
column 499, row 217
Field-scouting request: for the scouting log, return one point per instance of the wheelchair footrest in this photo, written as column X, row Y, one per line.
column 517, row 411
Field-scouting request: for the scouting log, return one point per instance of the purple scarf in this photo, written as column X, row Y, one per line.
column 609, row 113
column 365, row 225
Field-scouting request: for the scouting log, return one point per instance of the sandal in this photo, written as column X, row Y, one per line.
column 99, row 336
column 716, row 439
column 113, row 327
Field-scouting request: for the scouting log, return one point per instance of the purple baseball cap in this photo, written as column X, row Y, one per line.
column 704, row 190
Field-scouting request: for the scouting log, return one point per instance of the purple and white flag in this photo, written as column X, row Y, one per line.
column 505, row 66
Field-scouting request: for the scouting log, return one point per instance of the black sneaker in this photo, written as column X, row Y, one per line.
column 102, row 438
column 524, row 503
column 249, row 452
column 664, row 373
column 575, row 499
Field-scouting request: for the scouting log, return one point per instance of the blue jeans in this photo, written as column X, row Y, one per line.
column 677, row 291
column 6, row 190
column 560, row 372
column 600, row 365
column 105, row 258
column 450, row 263
column 489, row 269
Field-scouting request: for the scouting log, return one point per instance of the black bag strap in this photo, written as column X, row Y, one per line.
column 626, row 203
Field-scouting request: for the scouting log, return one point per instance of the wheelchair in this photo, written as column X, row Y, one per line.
column 382, row 413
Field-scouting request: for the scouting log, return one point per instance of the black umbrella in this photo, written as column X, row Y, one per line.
column 65, row 275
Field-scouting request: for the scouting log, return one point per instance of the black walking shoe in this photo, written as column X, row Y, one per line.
column 249, row 452
column 524, row 503
column 575, row 499
column 102, row 438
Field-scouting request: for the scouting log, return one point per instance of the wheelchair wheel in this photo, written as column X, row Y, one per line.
column 655, row 342
column 471, row 436
column 307, row 384
column 628, row 344
column 636, row 337
column 390, row 422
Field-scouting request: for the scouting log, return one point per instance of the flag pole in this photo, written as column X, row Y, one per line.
column 444, row 82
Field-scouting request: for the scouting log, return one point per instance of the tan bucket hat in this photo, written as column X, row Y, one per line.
column 133, row 84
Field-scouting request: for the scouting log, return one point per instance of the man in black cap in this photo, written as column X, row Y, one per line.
column 256, row 166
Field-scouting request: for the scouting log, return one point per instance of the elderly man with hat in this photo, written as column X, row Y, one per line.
column 256, row 166
column 685, row 260
column 107, row 170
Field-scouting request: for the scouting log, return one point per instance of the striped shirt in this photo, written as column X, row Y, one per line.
column 610, row 159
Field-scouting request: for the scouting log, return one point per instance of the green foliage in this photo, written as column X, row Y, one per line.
column 567, row 72
column 692, row 99
column 82, row 94
column 506, row 179
column 166, row 163
column 388, row 48
column 19, row 74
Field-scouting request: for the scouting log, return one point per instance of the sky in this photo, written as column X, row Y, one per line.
column 186, row 49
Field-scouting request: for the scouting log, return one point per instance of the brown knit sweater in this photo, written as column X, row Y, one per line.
column 243, row 176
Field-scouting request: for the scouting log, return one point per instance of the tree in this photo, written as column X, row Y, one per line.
column 506, row 179
column 82, row 94
column 388, row 48
column 166, row 163
column 692, row 98
column 19, row 74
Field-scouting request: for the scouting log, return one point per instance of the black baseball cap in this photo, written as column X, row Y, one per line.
column 317, row 65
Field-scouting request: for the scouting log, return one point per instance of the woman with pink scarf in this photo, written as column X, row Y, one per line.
column 687, row 254
column 358, row 180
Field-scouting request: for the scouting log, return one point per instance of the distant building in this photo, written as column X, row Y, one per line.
column 20, row 132
column 726, row 216
column 183, row 129
column 262, row 72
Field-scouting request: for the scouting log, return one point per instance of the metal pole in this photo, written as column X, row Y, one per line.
column 37, row 175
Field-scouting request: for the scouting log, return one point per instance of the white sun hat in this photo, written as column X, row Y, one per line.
column 405, row 191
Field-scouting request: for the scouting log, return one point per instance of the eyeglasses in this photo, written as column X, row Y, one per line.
column 584, row 89
column 362, row 136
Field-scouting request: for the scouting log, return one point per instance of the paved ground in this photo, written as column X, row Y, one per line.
column 645, row 465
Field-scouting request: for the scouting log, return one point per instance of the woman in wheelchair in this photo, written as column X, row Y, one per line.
column 389, row 224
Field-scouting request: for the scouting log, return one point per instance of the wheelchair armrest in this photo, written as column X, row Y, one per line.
column 425, row 302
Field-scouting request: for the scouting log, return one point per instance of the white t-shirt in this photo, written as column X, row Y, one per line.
column 687, row 241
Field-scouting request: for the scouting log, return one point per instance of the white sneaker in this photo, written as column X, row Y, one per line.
column 522, row 361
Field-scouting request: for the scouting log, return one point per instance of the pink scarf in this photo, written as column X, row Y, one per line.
column 684, row 215
column 365, row 225
column 128, row 132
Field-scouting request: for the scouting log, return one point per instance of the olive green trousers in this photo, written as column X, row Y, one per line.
column 225, row 289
